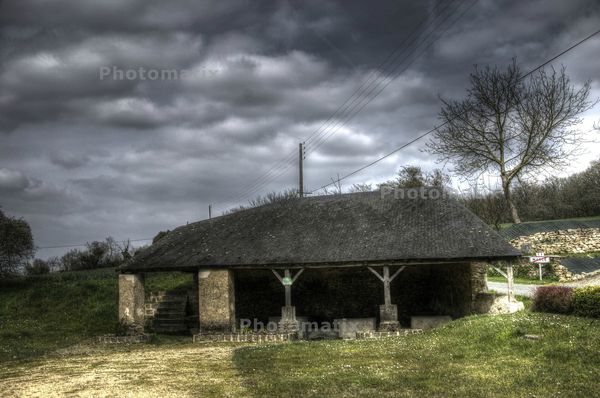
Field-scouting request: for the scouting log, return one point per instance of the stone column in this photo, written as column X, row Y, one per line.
column 131, row 299
column 216, row 301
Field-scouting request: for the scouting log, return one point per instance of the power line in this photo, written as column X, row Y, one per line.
column 445, row 123
column 85, row 244
column 367, row 81
column 369, row 100
column 368, row 87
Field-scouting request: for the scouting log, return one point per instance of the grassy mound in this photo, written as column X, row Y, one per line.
column 40, row 314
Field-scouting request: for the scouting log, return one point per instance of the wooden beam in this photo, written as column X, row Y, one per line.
column 498, row 270
column 397, row 272
column 288, row 289
column 287, row 275
column 297, row 275
column 376, row 273
column 387, row 295
column 387, row 280
column 511, row 281
column 278, row 276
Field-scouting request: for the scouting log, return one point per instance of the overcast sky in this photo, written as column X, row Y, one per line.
column 93, row 143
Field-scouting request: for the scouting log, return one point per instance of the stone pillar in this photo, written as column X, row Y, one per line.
column 131, row 299
column 479, row 278
column 288, row 322
column 388, row 317
column 216, row 301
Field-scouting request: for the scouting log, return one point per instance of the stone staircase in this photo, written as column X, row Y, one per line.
column 166, row 312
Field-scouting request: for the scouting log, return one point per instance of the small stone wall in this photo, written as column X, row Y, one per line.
column 567, row 241
column 380, row 334
column 112, row 339
column 244, row 338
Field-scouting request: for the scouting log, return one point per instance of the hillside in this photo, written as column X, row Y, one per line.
column 513, row 231
column 41, row 314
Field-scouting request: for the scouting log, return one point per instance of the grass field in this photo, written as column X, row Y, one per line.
column 583, row 219
column 41, row 314
column 46, row 351
column 479, row 356
column 525, row 281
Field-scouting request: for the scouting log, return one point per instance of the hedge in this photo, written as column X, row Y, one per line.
column 586, row 301
column 555, row 299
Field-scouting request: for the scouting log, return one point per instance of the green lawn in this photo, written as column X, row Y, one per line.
column 478, row 356
column 526, row 281
column 44, row 313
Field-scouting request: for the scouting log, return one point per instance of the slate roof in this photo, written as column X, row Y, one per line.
column 333, row 230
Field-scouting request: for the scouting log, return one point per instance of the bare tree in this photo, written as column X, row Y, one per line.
column 362, row 187
column 511, row 125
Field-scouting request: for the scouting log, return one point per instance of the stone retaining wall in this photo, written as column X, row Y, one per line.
column 246, row 338
column 380, row 334
column 569, row 241
column 112, row 339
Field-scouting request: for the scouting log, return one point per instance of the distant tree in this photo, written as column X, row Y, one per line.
column 159, row 236
column 72, row 260
column 37, row 267
column 97, row 254
column 360, row 188
column 272, row 197
column 126, row 250
column 16, row 245
column 489, row 206
column 415, row 177
column 511, row 125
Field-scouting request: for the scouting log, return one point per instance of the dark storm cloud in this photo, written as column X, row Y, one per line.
column 84, row 155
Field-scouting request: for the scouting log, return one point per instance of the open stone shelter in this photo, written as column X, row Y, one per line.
column 375, row 260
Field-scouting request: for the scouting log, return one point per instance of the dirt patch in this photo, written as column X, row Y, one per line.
column 176, row 371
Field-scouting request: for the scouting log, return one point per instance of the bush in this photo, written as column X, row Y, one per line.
column 586, row 301
column 555, row 299
column 38, row 267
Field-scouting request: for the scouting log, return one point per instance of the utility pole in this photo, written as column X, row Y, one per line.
column 209, row 211
column 301, row 169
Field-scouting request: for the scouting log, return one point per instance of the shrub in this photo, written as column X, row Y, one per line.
column 555, row 299
column 586, row 301
column 38, row 267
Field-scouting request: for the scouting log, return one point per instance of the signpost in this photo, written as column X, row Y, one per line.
column 539, row 259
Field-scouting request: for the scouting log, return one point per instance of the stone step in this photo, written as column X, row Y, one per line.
column 173, row 301
column 169, row 315
column 170, row 329
column 168, row 321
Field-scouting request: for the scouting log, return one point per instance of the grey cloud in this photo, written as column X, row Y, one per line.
column 69, row 160
column 83, row 158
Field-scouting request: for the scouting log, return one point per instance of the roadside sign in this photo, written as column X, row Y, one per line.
column 539, row 258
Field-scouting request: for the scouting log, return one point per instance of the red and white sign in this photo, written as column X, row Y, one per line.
column 539, row 258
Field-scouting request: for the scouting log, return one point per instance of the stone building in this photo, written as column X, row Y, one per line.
column 361, row 255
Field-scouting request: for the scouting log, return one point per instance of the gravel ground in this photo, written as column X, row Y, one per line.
column 141, row 371
column 522, row 289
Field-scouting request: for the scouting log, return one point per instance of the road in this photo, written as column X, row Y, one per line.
column 528, row 290
column 520, row 289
